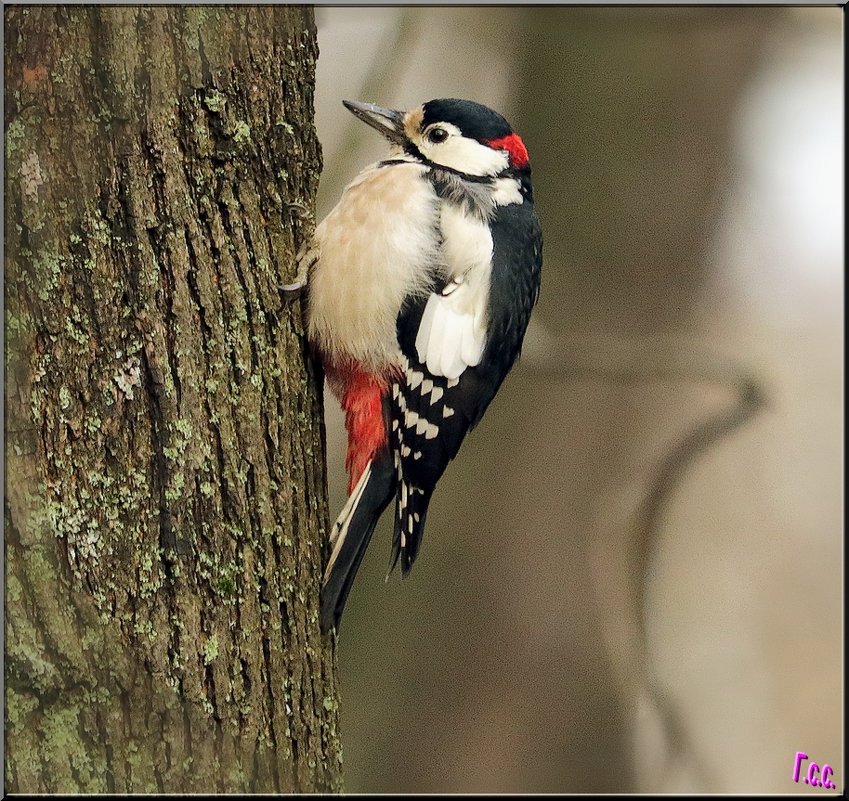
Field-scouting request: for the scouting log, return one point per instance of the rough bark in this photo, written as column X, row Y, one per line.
column 165, row 481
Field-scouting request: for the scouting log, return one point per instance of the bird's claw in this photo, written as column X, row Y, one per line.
column 293, row 291
column 306, row 258
column 300, row 210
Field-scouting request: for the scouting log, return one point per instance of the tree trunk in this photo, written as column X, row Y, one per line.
column 165, row 486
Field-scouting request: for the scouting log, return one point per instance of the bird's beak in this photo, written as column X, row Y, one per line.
column 389, row 122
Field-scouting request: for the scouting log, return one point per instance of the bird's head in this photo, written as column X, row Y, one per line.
column 460, row 135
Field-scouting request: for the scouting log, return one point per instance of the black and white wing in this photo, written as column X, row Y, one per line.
column 456, row 353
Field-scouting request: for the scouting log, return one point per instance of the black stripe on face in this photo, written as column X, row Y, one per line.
column 475, row 179
column 411, row 150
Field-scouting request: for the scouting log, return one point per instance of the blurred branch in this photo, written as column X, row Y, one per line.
column 748, row 400
column 655, row 360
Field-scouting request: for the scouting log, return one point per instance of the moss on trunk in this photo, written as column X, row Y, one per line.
column 165, row 481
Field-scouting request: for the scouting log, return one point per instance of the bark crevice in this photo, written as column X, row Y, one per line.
column 157, row 521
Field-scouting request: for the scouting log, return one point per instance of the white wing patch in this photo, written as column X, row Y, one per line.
column 449, row 338
column 452, row 331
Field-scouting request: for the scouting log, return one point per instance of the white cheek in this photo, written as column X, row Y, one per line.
column 466, row 155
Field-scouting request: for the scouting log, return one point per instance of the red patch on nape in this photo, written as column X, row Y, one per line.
column 514, row 145
column 362, row 400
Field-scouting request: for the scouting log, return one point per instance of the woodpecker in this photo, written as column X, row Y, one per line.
column 420, row 285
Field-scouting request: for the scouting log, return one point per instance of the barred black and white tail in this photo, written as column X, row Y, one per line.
column 410, row 513
column 351, row 535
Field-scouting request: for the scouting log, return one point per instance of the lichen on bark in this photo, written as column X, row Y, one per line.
column 165, row 485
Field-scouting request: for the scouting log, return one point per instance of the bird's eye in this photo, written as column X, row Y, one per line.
column 437, row 135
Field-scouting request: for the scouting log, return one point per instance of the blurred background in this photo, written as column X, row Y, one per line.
column 632, row 576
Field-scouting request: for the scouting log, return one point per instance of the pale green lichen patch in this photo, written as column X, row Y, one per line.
column 47, row 266
column 19, row 706
column 241, row 131
column 98, row 229
column 15, row 134
column 76, row 326
column 215, row 101
column 71, row 763
column 176, row 485
column 64, row 397
column 210, row 650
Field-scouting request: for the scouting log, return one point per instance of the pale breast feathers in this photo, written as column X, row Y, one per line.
column 391, row 238
column 377, row 247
